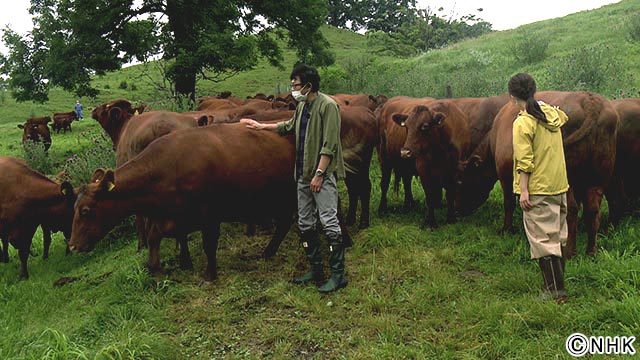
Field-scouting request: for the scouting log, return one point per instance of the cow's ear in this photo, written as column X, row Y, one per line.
column 204, row 120
column 66, row 189
column 438, row 118
column 20, row 126
column 108, row 181
column 115, row 114
column 98, row 174
column 400, row 119
column 475, row 161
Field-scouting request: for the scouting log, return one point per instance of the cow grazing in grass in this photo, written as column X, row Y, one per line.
column 36, row 130
column 29, row 199
column 237, row 175
column 438, row 137
column 589, row 139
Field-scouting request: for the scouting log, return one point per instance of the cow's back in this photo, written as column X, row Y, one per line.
column 142, row 129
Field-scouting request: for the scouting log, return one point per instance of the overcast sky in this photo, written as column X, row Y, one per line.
column 502, row 14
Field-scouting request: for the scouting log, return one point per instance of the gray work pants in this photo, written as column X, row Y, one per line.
column 322, row 205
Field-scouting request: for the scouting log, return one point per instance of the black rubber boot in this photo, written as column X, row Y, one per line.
column 553, row 276
column 311, row 245
column 338, row 279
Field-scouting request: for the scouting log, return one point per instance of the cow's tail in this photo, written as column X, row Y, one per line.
column 592, row 108
column 396, row 181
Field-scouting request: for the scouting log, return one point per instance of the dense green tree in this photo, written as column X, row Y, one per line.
column 72, row 40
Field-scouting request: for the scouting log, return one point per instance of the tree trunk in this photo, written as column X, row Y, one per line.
column 181, row 15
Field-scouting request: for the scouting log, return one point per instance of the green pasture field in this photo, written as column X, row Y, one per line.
column 460, row 292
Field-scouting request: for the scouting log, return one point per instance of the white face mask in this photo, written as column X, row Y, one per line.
column 298, row 95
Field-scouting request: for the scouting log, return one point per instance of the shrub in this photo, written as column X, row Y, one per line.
column 97, row 153
column 529, row 49
column 633, row 27
column 123, row 85
column 334, row 79
column 591, row 68
column 37, row 158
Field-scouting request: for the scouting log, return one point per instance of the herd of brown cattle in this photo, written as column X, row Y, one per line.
column 180, row 173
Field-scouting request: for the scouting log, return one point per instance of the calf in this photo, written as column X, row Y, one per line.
column 438, row 137
column 238, row 175
column 30, row 199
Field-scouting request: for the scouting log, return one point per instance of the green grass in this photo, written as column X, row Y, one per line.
column 461, row 292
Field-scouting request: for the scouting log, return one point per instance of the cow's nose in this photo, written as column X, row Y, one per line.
column 405, row 153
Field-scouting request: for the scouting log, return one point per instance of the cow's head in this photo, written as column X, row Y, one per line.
column 70, row 196
column 38, row 132
column 476, row 177
column 420, row 124
column 95, row 213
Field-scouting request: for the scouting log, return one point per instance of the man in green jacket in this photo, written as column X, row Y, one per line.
column 318, row 166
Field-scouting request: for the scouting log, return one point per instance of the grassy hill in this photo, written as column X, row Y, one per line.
column 461, row 292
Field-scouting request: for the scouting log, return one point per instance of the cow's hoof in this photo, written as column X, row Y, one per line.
column 209, row 276
column 364, row 224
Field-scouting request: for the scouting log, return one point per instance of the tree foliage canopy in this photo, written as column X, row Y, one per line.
column 201, row 39
column 401, row 27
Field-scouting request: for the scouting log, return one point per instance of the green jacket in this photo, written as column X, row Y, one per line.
column 538, row 150
column 322, row 136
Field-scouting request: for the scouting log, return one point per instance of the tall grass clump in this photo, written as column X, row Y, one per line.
column 36, row 157
column 97, row 152
column 633, row 27
column 528, row 49
column 589, row 68
column 58, row 347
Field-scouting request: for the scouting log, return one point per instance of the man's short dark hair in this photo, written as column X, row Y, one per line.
column 308, row 75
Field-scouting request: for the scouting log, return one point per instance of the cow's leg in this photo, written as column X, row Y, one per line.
column 153, row 242
column 210, row 236
column 407, row 176
column 351, row 181
column 429, row 210
column 185, row 256
column 591, row 214
column 23, row 252
column 346, row 237
column 142, row 232
column 46, row 239
column 385, row 180
column 451, row 193
column 572, row 222
column 5, row 249
column 365, row 199
column 283, row 224
column 617, row 200
column 509, row 204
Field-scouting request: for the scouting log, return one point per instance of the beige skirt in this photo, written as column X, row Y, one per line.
column 546, row 225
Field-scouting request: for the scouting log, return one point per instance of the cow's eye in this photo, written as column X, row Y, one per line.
column 424, row 127
column 84, row 211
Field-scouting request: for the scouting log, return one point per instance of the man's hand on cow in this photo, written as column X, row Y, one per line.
column 251, row 124
column 525, row 204
column 316, row 183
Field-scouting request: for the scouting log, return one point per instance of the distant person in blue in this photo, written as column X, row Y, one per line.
column 79, row 109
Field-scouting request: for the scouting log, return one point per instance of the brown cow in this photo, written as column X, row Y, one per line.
column 438, row 137
column 30, row 199
column 391, row 140
column 36, row 130
column 590, row 150
column 358, row 136
column 62, row 121
column 368, row 101
column 113, row 115
column 238, row 175
column 623, row 188
column 138, row 132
